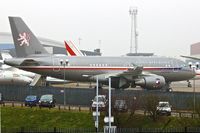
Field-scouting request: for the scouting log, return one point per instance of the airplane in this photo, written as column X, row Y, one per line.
column 10, row 75
column 72, row 50
column 15, row 76
column 148, row 72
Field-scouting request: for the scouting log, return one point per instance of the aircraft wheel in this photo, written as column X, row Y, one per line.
column 189, row 85
column 170, row 90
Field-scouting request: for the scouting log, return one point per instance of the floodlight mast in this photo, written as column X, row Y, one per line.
column 133, row 14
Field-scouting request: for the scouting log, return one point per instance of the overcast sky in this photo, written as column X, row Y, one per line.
column 166, row 27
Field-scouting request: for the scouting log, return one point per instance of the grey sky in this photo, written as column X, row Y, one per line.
column 166, row 27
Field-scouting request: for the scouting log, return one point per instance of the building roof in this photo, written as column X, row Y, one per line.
column 6, row 38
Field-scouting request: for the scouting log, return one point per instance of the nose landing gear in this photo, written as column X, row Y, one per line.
column 189, row 84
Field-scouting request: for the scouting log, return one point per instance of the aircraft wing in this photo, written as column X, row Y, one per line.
column 191, row 57
column 134, row 72
column 128, row 74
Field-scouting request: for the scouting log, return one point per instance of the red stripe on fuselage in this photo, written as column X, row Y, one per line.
column 79, row 68
column 99, row 68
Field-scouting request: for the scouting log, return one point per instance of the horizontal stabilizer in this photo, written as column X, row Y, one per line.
column 5, row 55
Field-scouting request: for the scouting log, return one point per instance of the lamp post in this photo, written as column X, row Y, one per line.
column 64, row 63
column 193, row 91
column 193, row 69
column 97, row 106
column 133, row 13
column 194, row 95
column 109, row 108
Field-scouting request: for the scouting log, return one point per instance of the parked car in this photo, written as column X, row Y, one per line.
column 31, row 100
column 120, row 105
column 47, row 101
column 102, row 102
column 164, row 108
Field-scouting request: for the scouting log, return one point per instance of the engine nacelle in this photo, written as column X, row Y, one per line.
column 151, row 82
column 116, row 82
column 119, row 83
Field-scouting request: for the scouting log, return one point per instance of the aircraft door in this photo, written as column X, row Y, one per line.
column 56, row 64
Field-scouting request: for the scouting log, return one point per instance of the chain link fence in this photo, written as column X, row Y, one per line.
column 83, row 96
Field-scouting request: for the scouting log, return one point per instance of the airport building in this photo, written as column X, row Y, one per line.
column 52, row 46
column 195, row 49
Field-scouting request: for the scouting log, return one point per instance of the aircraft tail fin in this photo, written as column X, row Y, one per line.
column 25, row 41
column 72, row 50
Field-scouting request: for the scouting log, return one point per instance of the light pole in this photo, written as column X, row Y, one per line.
column 79, row 43
column 133, row 14
column 193, row 91
column 97, row 106
column 109, row 110
column 64, row 63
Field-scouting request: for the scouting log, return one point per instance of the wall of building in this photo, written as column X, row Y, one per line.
column 195, row 49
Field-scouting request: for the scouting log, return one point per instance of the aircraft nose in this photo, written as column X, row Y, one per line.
column 190, row 71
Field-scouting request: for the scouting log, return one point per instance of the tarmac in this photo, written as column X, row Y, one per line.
column 181, row 86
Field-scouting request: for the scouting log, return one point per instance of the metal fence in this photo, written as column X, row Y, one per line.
column 83, row 96
column 93, row 130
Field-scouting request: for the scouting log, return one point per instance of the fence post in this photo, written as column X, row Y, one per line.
column 79, row 108
column 21, row 104
column 185, row 129
column 22, row 130
column 12, row 104
column 140, row 129
column 54, row 129
column 59, row 107
column 69, row 107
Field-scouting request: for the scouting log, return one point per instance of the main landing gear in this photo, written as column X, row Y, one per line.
column 167, row 88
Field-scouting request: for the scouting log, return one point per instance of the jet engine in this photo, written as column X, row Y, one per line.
column 116, row 82
column 8, row 77
column 119, row 83
column 151, row 82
